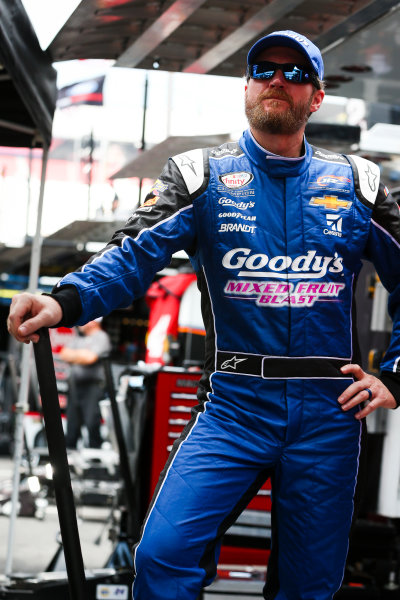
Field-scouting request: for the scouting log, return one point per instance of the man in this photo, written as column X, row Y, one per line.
column 276, row 231
column 86, row 381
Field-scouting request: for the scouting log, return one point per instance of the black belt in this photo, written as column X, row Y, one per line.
column 281, row 367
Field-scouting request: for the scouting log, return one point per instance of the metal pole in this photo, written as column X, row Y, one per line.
column 29, row 185
column 143, row 142
column 130, row 492
column 26, row 360
column 59, row 462
column 89, row 166
column 14, row 384
column 37, row 240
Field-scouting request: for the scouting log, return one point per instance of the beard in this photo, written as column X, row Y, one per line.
column 277, row 121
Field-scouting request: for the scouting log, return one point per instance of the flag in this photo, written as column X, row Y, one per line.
column 89, row 91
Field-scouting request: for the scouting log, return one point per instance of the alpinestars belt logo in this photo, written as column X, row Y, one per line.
column 232, row 362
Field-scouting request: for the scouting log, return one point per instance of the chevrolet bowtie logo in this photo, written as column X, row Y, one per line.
column 330, row 202
column 232, row 362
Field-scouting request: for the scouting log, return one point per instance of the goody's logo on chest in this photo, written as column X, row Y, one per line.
column 278, row 280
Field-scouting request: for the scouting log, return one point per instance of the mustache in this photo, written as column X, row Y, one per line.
column 278, row 94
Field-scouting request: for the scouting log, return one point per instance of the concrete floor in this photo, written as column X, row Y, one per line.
column 35, row 540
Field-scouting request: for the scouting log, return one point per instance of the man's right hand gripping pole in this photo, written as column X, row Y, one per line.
column 30, row 312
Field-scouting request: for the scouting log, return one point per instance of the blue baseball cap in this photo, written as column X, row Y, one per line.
column 290, row 39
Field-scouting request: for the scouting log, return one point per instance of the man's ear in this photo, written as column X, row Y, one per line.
column 317, row 100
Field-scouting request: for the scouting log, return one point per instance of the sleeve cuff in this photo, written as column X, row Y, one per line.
column 392, row 382
column 68, row 298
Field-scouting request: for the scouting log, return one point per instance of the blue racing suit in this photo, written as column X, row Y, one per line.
column 277, row 245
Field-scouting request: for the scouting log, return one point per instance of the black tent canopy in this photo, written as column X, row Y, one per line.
column 27, row 81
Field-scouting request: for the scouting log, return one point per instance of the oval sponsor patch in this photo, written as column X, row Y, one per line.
column 236, row 180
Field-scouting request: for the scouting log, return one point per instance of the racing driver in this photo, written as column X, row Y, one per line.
column 276, row 230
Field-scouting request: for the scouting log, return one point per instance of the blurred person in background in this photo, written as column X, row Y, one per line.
column 86, row 382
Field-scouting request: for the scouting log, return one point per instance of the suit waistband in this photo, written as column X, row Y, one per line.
column 281, row 367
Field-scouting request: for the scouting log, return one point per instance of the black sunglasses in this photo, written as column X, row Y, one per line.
column 291, row 72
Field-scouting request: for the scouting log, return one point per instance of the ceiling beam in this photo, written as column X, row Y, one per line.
column 359, row 19
column 257, row 24
column 158, row 31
